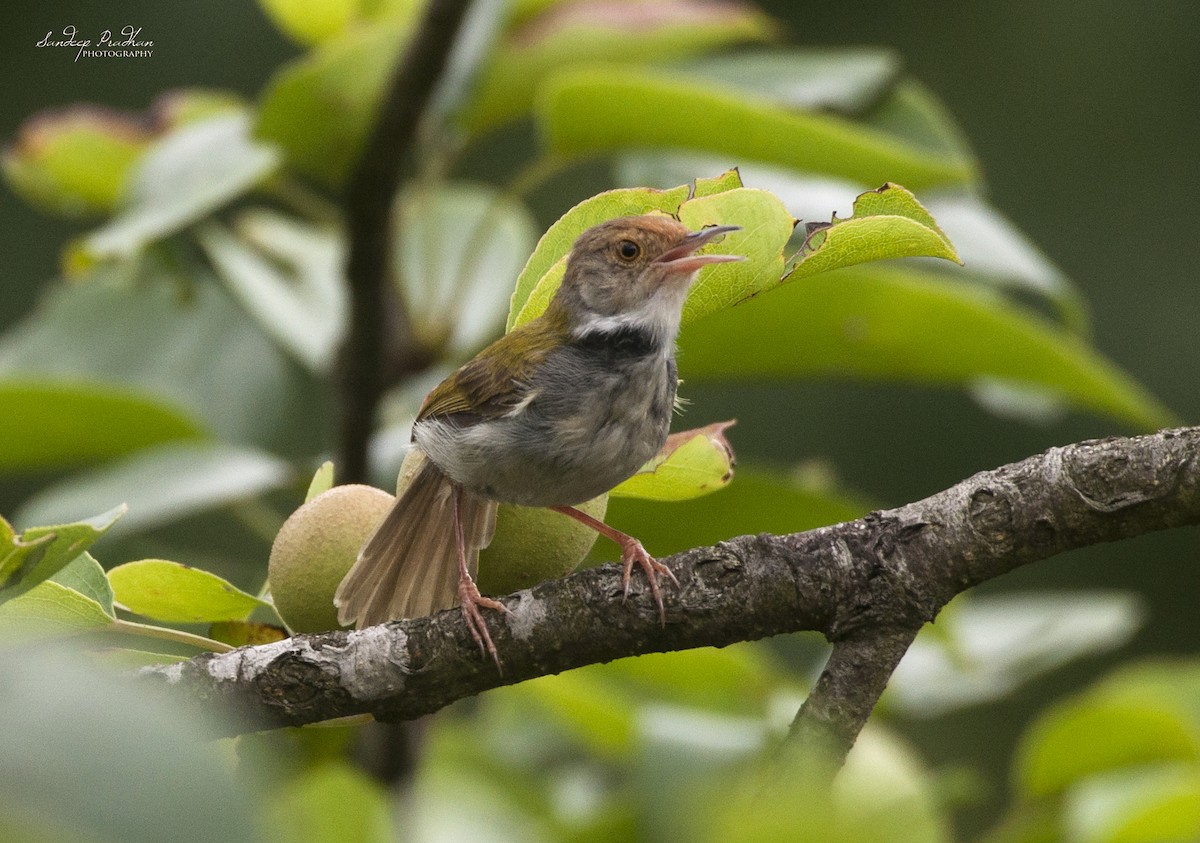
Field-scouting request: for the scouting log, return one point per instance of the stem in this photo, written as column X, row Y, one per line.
column 167, row 634
column 368, row 205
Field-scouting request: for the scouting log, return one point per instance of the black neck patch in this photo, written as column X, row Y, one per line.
column 626, row 341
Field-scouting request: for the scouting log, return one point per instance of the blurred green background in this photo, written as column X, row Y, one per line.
column 1085, row 117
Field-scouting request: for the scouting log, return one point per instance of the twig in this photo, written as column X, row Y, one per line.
column 368, row 203
column 867, row 585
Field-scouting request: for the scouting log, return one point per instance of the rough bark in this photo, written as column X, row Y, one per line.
column 867, row 585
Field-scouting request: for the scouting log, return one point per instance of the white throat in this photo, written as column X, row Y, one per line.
column 658, row 316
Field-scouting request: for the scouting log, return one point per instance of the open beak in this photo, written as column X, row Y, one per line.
column 682, row 259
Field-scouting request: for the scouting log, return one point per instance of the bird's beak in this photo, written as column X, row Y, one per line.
column 682, row 259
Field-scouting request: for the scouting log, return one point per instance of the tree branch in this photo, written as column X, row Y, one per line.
column 867, row 585
column 368, row 203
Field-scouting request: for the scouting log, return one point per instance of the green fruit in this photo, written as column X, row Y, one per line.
column 315, row 548
column 533, row 544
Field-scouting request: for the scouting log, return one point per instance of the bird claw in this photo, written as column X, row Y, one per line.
column 633, row 552
column 470, row 600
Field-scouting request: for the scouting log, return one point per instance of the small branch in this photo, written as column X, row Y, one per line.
column 867, row 585
column 368, row 203
column 850, row 684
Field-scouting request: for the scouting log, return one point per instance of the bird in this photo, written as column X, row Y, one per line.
column 556, row 412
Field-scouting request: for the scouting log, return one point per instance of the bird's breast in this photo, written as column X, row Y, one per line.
column 592, row 422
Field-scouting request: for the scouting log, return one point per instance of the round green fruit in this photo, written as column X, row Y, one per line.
column 533, row 544
column 315, row 548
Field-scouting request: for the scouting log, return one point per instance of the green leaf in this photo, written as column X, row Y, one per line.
column 163, row 484
column 150, row 339
column 174, row 593
column 74, row 162
column 691, row 463
column 593, row 711
column 50, row 610
column 1081, row 739
column 739, row 679
column 913, row 114
column 41, row 552
column 551, row 251
column 1146, row 805
column 54, row 425
column 322, row 481
column 996, row 252
column 882, row 795
column 459, row 245
column 184, row 106
column 766, row 229
column 331, row 801
column 86, row 576
column 185, row 176
column 983, row 648
column 844, row 79
column 759, row 501
column 606, row 109
column 310, row 21
column 288, row 275
column 619, row 31
column 1144, row 713
column 878, row 323
column 319, row 108
column 731, row 179
column 887, row 223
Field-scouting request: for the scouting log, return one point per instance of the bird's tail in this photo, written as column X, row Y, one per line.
column 409, row 565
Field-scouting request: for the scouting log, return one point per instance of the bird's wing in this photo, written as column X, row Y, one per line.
column 496, row 380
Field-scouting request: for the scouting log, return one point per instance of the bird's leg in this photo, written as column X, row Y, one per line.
column 469, row 597
column 631, row 552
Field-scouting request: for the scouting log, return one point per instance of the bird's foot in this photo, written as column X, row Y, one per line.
column 470, row 600
column 633, row 553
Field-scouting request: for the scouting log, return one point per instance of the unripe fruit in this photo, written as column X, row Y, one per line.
column 315, row 548
column 533, row 544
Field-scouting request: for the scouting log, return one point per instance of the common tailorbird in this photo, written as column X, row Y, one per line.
column 554, row 413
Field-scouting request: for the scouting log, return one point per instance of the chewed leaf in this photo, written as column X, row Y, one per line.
column 558, row 239
column 765, row 224
column 731, row 179
column 766, row 228
column 41, row 552
column 691, row 464
column 887, row 223
column 174, row 593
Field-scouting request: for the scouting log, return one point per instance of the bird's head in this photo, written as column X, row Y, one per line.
column 635, row 271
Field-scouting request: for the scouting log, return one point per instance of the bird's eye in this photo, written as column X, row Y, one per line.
column 628, row 250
